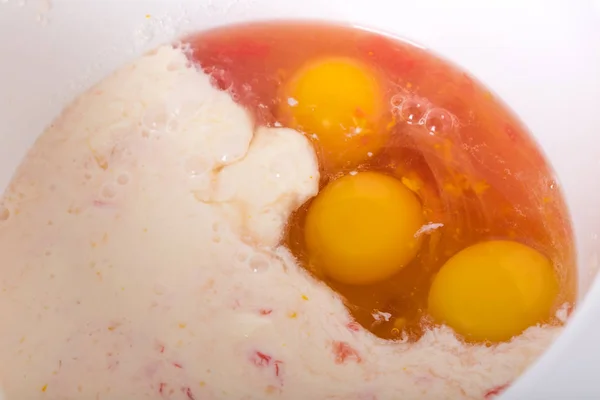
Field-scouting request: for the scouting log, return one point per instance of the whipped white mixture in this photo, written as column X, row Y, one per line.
column 140, row 259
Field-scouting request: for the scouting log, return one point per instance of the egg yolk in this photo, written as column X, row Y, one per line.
column 494, row 290
column 337, row 101
column 363, row 228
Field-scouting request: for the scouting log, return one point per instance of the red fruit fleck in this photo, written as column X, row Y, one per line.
column 353, row 326
column 189, row 394
column 265, row 311
column 277, row 370
column 261, row 359
column 490, row 394
column 343, row 352
column 161, row 387
column 177, row 365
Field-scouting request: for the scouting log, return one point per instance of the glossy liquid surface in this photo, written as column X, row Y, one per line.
column 477, row 173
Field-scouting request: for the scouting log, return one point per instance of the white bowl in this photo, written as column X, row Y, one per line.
column 541, row 57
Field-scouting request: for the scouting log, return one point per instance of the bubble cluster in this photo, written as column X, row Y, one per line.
column 438, row 120
column 413, row 110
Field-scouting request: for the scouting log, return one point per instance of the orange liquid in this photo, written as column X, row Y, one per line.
column 471, row 162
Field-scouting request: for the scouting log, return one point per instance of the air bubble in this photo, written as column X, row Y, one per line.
column 123, row 179
column 259, row 264
column 4, row 213
column 109, row 191
column 438, row 121
column 412, row 111
column 396, row 100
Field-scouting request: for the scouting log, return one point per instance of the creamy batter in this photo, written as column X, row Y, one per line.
column 140, row 257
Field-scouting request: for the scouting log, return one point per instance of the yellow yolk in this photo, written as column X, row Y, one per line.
column 494, row 290
column 363, row 228
column 337, row 101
